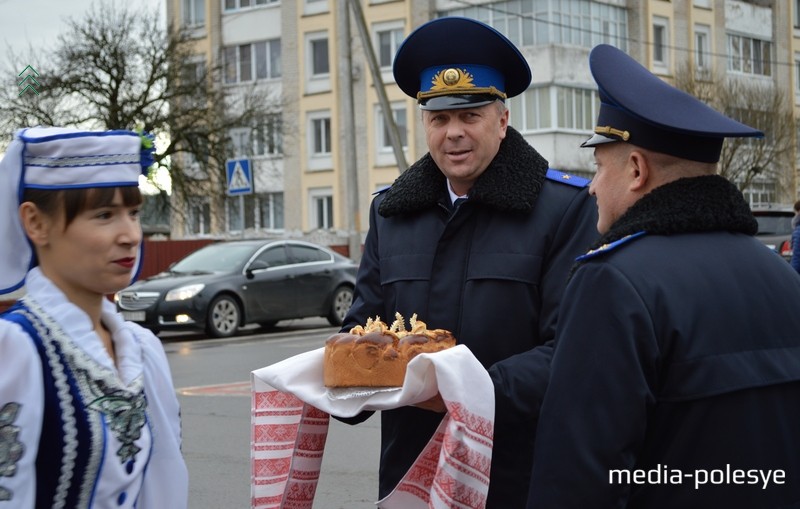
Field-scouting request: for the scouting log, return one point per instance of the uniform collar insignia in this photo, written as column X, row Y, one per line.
column 609, row 246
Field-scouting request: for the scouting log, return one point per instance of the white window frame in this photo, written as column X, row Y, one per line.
column 191, row 15
column 317, row 82
column 396, row 32
column 320, row 196
column 702, row 50
column 661, row 62
column 319, row 160
column 384, row 155
column 272, row 74
column 268, row 206
column 252, row 4
column 797, row 81
column 311, row 7
column 198, row 207
column 743, row 46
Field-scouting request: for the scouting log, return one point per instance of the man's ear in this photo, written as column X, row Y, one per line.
column 35, row 223
column 640, row 171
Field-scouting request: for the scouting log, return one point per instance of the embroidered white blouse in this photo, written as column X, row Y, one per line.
column 136, row 462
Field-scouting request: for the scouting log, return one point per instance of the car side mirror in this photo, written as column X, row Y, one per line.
column 256, row 265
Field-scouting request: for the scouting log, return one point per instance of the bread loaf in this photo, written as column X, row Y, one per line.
column 377, row 355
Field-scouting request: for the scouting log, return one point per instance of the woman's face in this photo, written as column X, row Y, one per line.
column 96, row 252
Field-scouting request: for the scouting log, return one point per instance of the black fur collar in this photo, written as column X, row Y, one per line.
column 698, row 204
column 511, row 182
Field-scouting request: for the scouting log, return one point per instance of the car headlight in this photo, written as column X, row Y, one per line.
column 184, row 292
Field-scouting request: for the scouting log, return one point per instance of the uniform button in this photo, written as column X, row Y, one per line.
column 121, row 498
column 129, row 466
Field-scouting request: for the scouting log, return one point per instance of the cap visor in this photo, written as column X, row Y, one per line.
column 455, row 102
column 598, row 139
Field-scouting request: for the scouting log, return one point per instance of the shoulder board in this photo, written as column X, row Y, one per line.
column 566, row 178
column 382, row 190
column 605, row 248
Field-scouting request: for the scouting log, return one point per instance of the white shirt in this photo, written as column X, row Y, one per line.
column 159, row 479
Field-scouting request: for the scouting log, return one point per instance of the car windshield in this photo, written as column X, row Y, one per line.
column 774, row 225
column 215, row 258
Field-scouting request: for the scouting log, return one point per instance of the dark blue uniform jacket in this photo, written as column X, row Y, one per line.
column 677, row 359
column 492, row 272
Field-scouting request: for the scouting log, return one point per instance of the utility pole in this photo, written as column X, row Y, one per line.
column 347, row 138
column 388, row 118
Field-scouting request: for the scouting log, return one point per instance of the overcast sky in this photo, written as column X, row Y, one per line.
column 36, row 24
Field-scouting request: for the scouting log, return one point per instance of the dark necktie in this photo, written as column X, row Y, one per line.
column 458, row 203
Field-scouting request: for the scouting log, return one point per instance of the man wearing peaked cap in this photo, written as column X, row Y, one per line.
column 676, row 375
column 491, row 269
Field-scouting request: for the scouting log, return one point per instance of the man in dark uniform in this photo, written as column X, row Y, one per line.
column 676, row 375
column 492, row 269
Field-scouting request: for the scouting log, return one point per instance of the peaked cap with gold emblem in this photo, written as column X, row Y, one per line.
column 638, row 107
column 454, row 62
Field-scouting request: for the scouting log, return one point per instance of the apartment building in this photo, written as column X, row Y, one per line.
column 328, row 147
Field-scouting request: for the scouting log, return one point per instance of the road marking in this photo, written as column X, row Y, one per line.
column 232, row 389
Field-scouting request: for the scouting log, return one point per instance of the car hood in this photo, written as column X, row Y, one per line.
column 167, row 281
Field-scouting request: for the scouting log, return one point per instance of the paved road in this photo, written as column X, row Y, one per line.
column 212, row 380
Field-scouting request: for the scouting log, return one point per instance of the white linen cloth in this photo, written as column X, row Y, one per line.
column 290, row 417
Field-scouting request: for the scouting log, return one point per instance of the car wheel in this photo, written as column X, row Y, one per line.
column 340, row 305
column 223, row 317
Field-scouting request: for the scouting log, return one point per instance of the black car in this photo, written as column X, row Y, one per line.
column 775, row 229
column 226, row 285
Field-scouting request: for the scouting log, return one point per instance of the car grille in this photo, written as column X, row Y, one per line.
column 137, row 300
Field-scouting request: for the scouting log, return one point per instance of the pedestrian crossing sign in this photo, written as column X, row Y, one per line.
column 240, row 178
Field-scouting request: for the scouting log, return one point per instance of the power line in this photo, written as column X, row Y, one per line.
column 493, row 8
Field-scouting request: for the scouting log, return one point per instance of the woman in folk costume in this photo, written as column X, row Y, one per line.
column 88, row 412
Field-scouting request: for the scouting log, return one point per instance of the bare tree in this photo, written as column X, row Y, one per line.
column 116, row 68
column 759, row 104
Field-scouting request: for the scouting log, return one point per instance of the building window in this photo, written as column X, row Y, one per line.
column 319, row 56
column 388, row 37
column 233, row 5
column 540, row 22
column 575, row 109
column 660, row 42
column 194, row 13
column 702, row 48
column 193, row 74
column 797, row 80
column 321, row 201
column 271, row 211
column 321, row 136
column 241, row 212
column 258, row 60
column 797, row 13
column 254, row 211
column 749, row 56
column 317, row 63
column 385, row 151
column 198, row 215
column 264, row 139
column 706, row 4
column 268, row 136
column 384, row 139
column 315, row 6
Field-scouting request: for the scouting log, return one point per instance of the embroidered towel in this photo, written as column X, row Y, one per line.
column 290, row 416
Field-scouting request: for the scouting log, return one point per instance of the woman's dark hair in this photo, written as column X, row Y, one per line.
column 74, row 201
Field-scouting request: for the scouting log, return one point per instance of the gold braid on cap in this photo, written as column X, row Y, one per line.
column 607, row 129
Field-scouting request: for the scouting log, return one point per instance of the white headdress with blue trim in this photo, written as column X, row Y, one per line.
column 60, row 158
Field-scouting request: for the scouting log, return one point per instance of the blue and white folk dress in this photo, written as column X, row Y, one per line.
column 76, row 431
